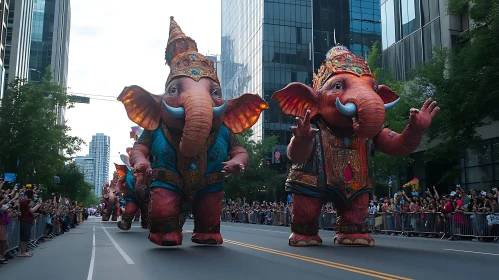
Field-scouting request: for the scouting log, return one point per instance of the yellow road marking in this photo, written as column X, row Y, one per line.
column 372, row 273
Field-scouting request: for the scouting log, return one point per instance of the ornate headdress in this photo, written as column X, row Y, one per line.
column 340, row 60
column 182, row 56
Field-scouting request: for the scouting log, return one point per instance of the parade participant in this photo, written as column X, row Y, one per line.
column 135, row 192
column 189, row 134
column 343, row 120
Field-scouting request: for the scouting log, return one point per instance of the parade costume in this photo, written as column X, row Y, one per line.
column 135, row 193
column 330, row 161
column 110, row 200
column 188, row 140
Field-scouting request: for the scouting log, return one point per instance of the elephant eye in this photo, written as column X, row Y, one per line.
column 216, row 92
column 173, row 89
column 338, row 86
column 375, row 87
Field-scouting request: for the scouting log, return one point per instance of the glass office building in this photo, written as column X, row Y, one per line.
column 50, row 43
column 267, row 44
column 410, row 28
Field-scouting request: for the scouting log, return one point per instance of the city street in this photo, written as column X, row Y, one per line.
column 99, row 250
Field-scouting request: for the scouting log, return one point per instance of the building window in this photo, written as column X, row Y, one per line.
column 388, row 23
column 480, row 168
column 410, row 16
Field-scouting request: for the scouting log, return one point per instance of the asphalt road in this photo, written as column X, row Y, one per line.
column 98, row 250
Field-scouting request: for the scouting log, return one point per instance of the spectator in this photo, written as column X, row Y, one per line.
column 27, row 210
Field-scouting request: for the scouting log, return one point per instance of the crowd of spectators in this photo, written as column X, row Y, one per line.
column 460, row 213
column 23, row 206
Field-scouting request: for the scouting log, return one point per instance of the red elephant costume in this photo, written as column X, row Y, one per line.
column 344, row 115
column 189, row 144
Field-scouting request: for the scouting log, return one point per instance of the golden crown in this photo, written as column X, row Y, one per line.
column 340, row 60
column 182, row 56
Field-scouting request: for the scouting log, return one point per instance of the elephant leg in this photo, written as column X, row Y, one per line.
column 137, row 215
column 144, row 215
column 164, row 210
column 304, row 224
column 105, row 216
column 351, row 226
column 207, row 210
column 114, row 217
column 126, row 220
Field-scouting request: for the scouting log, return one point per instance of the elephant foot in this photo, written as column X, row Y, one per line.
column 207, row 238
column 114, row 219
column 136, row 219
column 124, row 225
column 144, row 224
column 166, row 239
column 363, row 239
column 298, row 240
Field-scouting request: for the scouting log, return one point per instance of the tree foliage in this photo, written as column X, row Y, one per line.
column 465, row 83
column 30, row 133
column 258, row 182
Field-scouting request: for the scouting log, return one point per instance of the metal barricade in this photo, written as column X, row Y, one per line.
column 14, row 235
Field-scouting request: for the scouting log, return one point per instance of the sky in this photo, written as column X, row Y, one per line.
column 118, row 43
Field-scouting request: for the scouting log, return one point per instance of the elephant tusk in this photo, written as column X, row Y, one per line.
column 220, row 110
column 349, row 109
column 391, row 104
column 178, row 113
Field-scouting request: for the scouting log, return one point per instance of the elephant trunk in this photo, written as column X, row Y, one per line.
column 198, row 122
column 368, row 110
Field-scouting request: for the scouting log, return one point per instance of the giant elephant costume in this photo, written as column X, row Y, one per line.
column 188, row 145
column 135, row 193
column 110, row 201
column 343, row 116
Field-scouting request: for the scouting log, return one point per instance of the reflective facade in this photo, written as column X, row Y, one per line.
column 410, row 29
column 50, row 42
column 354, row 23
column 241, row 57
column 267, row 44
column 99, row 148
column 18, row 40
column 4, row 15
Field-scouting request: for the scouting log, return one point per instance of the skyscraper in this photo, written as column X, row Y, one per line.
column 86, row 165
column 50, row 43
column 100, row 151
column 4, row 14
column 267, row 44
column 218, row 66
column 18, row 44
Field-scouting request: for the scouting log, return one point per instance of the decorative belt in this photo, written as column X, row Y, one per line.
column 168, row 176
column 302, row 178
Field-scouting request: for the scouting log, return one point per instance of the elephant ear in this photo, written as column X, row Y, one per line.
column 126, row 161
column 142, row 107
column 296, row 98
column 121, row 169
column 387, row 94
column 243, row 112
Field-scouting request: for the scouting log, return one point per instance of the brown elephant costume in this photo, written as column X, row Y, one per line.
column 110, row 200
column 188, row 145
column 343, row 122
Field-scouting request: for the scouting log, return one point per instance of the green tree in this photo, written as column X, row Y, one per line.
column 30, row 133
column 258, row 182
column 71, row 184
column 465, row 83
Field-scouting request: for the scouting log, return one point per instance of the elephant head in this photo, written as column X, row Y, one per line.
column 192, row 106
column 346, row 95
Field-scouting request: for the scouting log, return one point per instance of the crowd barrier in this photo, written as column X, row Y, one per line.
column 37, row 232
column 474, row 225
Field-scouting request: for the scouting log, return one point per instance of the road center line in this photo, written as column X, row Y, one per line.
column 92, row 258
column 367, row 272
column 471, row 252
column 123, row 254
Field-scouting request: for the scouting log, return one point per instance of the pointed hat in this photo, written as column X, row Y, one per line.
column 339, row 59
column 182, row 56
